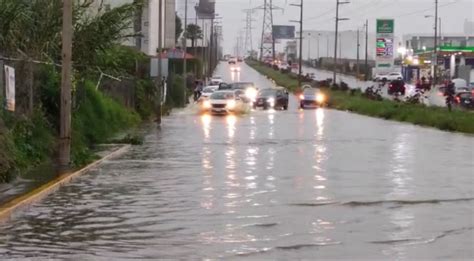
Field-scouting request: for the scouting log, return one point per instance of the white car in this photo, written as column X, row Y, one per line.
column 388, row 76
column 224, row 102
column 208, row 91
column 216, row 80
column 232, row 60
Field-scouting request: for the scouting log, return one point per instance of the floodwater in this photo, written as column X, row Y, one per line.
column 313, row 184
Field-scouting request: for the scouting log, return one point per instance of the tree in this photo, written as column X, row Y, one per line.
column 179, row 27
column 193, row 32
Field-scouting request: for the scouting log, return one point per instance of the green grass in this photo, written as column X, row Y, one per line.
column 437, row 117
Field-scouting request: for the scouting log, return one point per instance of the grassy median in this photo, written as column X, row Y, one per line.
column 441, row 118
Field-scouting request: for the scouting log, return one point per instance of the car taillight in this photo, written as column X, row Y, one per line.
column 458, row 100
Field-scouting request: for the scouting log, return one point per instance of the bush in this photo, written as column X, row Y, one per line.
column 96, row 118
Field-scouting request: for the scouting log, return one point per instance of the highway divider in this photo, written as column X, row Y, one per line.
column 437, row 117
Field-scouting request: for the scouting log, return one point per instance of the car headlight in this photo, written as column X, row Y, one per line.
column 238, row 69
column 206, row 105
column 231, row 104
column 320, row 98
column 271, row 101
column 301, row 97
column 251, row 93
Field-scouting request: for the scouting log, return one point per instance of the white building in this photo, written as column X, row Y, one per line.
column 150, row 24
column 468, row 27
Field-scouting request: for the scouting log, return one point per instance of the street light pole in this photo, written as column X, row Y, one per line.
column 366, row 73
column 358, row 53
column 300, row 69
column 435, row 54
column 338, row 3
column 185, row 49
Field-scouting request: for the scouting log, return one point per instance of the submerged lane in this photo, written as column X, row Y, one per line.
column 296, row 184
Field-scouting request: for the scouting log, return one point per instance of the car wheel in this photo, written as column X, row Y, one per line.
column 285, row 107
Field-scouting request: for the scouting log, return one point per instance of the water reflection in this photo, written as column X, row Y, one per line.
column 271, row 120
column 206, row 120
column 231, row 120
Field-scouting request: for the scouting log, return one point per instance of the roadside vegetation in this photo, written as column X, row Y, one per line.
column 437, row 117
column 30, row 41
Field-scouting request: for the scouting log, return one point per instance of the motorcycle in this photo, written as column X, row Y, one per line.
column 373, row 93
column 416, row 98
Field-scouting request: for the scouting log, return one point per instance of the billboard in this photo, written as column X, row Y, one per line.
column 283, row 31
column 384, row 53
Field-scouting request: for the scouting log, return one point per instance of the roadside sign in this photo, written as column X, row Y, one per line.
column 385, row 44
column 385, row 26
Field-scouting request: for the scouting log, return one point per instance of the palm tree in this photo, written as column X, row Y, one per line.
column 193, row 32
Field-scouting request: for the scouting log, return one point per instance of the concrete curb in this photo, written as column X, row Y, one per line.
column 7, row 210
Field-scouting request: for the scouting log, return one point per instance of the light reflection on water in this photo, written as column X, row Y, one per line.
column 318, row 187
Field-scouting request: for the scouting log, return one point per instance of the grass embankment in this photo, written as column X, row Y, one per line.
column 437, row 117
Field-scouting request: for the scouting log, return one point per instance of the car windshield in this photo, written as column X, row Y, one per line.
column 310, row 91
column 242, row 85
column 267, row 92
column 209, row 89
column 465, row 95
column 222, row 95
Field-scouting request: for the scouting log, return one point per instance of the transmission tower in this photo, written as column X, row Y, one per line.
column 248, row 45
column 267, row 44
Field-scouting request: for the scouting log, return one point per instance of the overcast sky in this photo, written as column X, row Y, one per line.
column 319, row 15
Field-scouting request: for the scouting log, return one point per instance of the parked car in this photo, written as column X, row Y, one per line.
column 272, row 98
column 216, row 80
column 240, row 59
column 388, row 76
column 224, row 102
column 465, row 100
column 396, row 86
column 312, row 97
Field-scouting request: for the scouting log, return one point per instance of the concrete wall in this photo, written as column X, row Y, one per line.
column 170, row 24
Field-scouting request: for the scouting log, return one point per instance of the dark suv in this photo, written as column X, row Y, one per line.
column 272, row 98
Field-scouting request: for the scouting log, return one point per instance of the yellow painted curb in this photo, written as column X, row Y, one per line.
column 37, row 194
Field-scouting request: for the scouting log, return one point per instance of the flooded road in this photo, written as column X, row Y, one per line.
column 284, row 185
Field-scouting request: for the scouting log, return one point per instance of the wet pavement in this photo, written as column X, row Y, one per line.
column 307, row 184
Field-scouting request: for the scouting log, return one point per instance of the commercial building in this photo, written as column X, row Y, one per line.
column 147, row 24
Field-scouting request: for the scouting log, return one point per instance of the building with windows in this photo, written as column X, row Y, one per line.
column 147, row 24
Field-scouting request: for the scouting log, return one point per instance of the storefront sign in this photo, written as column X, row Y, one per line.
column 385, row 44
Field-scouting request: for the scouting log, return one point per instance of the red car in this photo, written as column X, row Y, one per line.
column 396, row 86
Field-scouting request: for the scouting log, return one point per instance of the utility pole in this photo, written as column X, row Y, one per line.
column 66, row 82
column 358, row 53
column 300, row 63
column 434, row 62
column 185, row 51
column 366, row 76
column 211, row 50
column 248, row 29
column 160, row 48
column 309, row 46
column 338, row 3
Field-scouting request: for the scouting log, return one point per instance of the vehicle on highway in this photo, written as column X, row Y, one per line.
column 396, row 87
column 384, row 77
column 208, row 91
column 216, row 80
column 249, row 88
column 232, row 60
column 465, row 100
column 312, row 97
column 240, row 59
column 235, row 68
column 276, row 98
column 223, row 102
